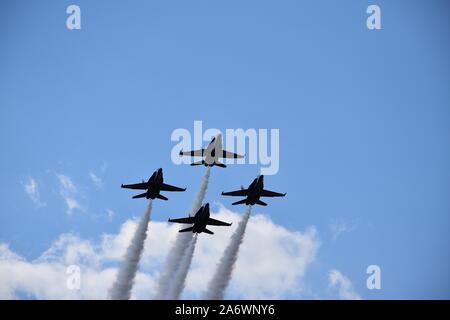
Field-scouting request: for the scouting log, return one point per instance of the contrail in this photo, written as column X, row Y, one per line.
column 179, row 279
column 121, row 289
column 180, row 246
column 222, row 276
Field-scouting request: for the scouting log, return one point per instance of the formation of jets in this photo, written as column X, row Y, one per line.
column 202, row 219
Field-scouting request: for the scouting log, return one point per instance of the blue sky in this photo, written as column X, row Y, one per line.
column 363, row 118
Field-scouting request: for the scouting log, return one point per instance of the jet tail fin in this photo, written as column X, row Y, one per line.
column 239, row 202
column 142, row 195
column 208, row 231
column 261, row 203
column 186, row 230
column 160, row 196
column 220, row 164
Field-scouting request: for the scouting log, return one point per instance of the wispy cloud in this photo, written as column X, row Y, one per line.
column 103, row 167
column 96, row 180
column 32, row 190
column 343, row 285
column 69, row 192
column 339, row 227
column 110, row 214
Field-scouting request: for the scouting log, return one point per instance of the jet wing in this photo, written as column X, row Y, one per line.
column 214, row 222
column 208, row 231
column 227, row 154
column 189, row 220
column 140, row 186
column 194, row 153
column 238, row 193
column 168, row 187
column 268, row 193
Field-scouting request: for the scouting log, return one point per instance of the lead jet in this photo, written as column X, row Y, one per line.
column 212, row 154
column 153, row 187
column 254, row 191
column 200, row 221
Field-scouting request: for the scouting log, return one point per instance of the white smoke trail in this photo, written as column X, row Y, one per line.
column 180, row 277
column 222, row 276
column 198, row 201
column 180, row 246
column 121, row 289
column 171, row 265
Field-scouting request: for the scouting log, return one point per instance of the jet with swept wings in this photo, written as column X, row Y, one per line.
column 153, row 187
column 211, row 154
column 253, row 193
column 200, row 221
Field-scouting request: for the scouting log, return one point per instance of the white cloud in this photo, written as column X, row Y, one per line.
column 69, row 249
column 96, row 180
column 343, row 285
column 32, row 190
column 272, row 260
column 69, row 193
column 271, row 264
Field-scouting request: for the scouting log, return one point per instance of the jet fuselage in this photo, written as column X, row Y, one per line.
column 201, row 219
column 213, row 151
column 254, row 190
column 154, row 184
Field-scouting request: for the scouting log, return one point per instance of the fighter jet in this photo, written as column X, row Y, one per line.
column 200, row 221
column 253, row 193
column 212, row 154
column 154, row 186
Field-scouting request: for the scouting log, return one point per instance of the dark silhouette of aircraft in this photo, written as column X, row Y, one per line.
column 200, row 221
column 253, row 193
column 212, row 154
column 154, row 186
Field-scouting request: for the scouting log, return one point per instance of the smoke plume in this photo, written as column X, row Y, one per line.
column 179, row 248
column 179, row 279
column 121, row 289
column 222, row 276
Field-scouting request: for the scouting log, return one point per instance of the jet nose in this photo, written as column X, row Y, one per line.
column 207, row 206
column 160, row 170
